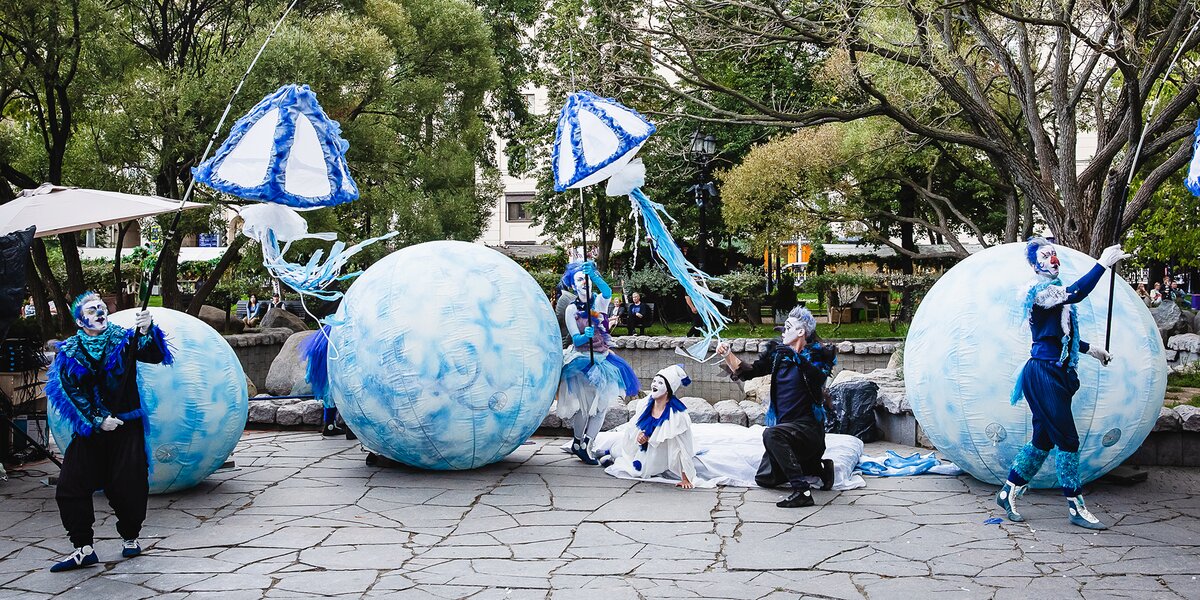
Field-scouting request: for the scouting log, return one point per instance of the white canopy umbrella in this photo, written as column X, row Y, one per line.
column 56, row 209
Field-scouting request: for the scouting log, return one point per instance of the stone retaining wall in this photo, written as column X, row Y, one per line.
column 649, row 354
column 1183, row 350
column 257, row 350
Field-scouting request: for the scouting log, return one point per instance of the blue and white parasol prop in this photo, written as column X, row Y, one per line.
column 286, row 152
column 597, row 139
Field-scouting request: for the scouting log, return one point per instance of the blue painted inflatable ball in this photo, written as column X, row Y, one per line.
column 444, row 355
column 196, row 407
column 968, row 339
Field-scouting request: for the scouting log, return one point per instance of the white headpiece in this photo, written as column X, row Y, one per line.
column 676, row 377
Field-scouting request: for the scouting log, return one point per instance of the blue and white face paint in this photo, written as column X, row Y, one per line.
column 1047, row 261
column 579, row 280
column 92, row 316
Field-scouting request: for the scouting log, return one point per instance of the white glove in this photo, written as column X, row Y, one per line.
column 1100, row 354
column 141, row 320
column 111, row 423
column 1111, row 255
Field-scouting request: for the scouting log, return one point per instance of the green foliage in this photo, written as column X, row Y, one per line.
column 1187, row 378
column 1169, row 230
column 747, row 284
column 651, row 282
column 547, row 280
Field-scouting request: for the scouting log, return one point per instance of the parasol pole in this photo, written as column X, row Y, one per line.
column 587, row 284
column 211, row 140
column 1116, row 231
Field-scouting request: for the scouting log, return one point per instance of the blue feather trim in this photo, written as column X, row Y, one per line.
column 113, row 362
column 315, row 350
column 58, row 395
column 292, row 101
column 693, row 280
column 159, row 338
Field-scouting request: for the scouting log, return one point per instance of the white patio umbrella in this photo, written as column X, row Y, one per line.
column 56, row 209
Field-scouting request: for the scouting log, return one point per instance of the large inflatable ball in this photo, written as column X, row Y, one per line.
column 196, row 406
column 968, row 340
column 444, row 355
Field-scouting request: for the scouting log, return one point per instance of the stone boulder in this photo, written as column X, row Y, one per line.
column 699, row 409
column 617, row 415
column 854, row 409
column 1196, row 323
column 1168, row 420
column 1186, row 321
column 215, row 318
column 552, row 420
column 251, row 388
column 896, row 362
column 756, row 414
column 1166, row 317
column 262, row 412
column 846, row 375
column 278, row 317
column 758, row 389
column 286, row 375
column 729, row 411
column 312, row 412
column 1190, row 417
column 1188, row 342
column 290, row 414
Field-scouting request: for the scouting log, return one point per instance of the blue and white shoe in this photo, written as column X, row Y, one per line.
column 1007, row 499
column 130, row 548
column 81, row 557
column 580, row 449
column 1081, row 516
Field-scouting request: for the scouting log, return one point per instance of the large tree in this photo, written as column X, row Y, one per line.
column 1014, row 81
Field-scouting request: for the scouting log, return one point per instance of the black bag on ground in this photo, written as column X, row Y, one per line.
column 854, row 409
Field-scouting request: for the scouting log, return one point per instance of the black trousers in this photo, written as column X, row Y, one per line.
column 793, row 451
column 114, row 461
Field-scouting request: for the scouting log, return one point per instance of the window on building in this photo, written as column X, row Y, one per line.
column 530, row 103
column 518, row 207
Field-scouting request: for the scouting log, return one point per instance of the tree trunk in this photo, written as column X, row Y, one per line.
column 230, row 257
column 47, row 274
column 168, row 279
column 908, row 203
column 41, row 302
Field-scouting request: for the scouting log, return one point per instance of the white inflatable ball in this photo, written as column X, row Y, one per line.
column 196, row 407
column 444, row 355
column 968, row 340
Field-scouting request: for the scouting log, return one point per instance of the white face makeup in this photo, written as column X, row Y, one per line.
column 793, row 330
column 578, row 280
column 658, row 388
column 93, row 316
column 1047, row 261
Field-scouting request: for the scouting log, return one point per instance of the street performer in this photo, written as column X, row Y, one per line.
column 93, row 384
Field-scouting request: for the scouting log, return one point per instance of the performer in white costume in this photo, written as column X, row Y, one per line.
column 657, row 440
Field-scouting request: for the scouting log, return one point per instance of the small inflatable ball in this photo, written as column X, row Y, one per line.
column 444, row 355
column 968, row 340
column 196, row 407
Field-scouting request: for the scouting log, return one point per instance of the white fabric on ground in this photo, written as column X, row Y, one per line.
column 729, row 454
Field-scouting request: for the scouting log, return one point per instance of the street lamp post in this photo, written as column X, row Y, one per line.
column 703, row 148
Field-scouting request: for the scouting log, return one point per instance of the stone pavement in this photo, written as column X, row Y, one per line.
column 303, row 516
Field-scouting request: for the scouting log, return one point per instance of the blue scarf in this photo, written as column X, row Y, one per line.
column 647, row 423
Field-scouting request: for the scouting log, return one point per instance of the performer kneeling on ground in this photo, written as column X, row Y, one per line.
column 588, row 387
column 93, row 384
column 658, row 439
column 1048, row 380
column 795, row 436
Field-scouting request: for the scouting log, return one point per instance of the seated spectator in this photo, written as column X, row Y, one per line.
column 637, row 315
column 276, row 302
column 1156, row 296
column 29, row 310
column 617, row 311
column 255, row 311
column 1143, row 294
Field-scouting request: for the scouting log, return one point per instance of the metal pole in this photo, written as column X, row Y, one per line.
column 587, row 283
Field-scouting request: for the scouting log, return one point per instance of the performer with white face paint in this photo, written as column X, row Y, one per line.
column 592, row 376
column 657, row 441
column 795, row 436
column 93, row 384
column 1048, row 380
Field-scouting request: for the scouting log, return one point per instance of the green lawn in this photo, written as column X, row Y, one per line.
column 1189, row 379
